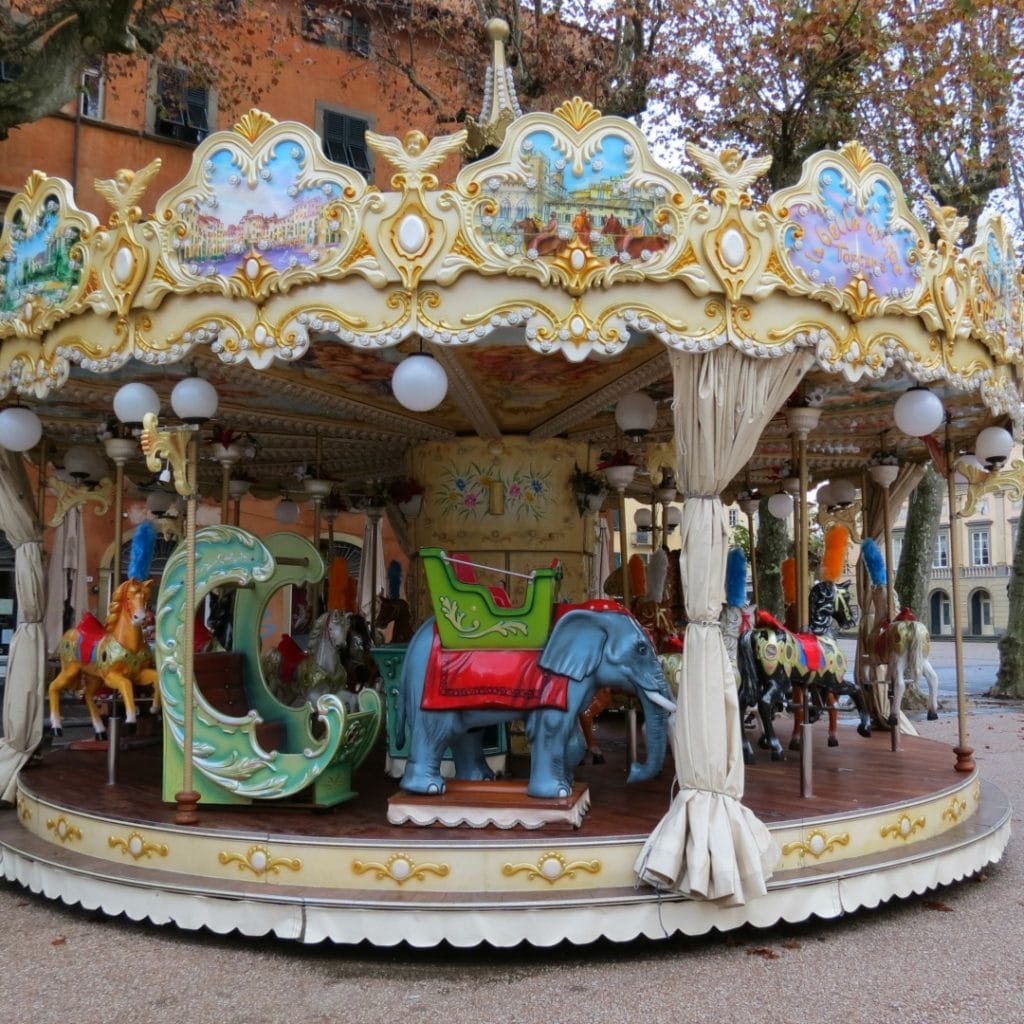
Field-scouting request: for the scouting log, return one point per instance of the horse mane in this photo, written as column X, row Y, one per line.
column 114, row 607
column 321, row 647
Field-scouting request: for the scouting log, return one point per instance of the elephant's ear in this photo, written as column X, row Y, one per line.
column 575, row 647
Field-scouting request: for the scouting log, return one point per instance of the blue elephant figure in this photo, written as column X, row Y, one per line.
column 593, row 649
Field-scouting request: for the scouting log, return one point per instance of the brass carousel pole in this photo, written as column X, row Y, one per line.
column 749, row 506
column 964, row 752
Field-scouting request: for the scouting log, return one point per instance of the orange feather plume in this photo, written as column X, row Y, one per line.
column 832, row 561
column 637, row 576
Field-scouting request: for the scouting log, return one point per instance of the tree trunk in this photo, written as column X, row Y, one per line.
column 772, row 549
column 918, row 553
column 1010, row 680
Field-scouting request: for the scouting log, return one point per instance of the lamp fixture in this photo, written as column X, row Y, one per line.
column 643, row 519
column 673, row 517
column 993, row 446
column 918, row 412
column 20, row 429
column 194, row 400
column 286, row 512
column 133, row 401
column 419, row 382
column 781, row 505
column 636, row 415
column 84, row 464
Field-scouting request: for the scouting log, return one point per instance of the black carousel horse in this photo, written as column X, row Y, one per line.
column 775, row 665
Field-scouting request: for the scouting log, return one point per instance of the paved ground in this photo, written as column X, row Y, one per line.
column 955, row 955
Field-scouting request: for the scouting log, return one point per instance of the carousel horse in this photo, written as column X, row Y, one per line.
column 903, row 645
column 357, row 652
column 776, row 665
column 296, row 677
column 395, row 610
column 111, row 654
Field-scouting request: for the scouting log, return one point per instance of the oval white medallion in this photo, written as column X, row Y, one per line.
column 949, row 292
column 862, row 288
column 27, row 314
column 259, row 334
column 817, row 844
column 135, row 846
column 412, row 234
column 124, row 264
column 551, row 867
column 252, row 268
column 577, row 326
column 400, row 869
column 734, row 248
column 258, row 861
column 578, row 259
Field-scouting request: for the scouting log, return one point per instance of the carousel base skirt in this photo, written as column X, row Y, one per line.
column 881, row 824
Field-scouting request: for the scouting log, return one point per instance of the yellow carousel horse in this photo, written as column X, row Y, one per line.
column 113, row 654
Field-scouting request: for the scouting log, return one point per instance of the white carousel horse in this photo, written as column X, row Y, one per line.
column 904, row 645
column 296, row 677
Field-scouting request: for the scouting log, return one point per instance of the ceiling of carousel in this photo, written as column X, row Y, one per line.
column 497, row 387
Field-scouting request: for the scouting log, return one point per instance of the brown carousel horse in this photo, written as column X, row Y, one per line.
column 113, row 654
column 629, row 243
column 395, row 610
column 544, row 240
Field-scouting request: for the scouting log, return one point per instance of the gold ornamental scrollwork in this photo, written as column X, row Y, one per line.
column 64, row 830
column 257, row 859
column 817, row 844
column 400, row 868
column 136, row 846
column 980, row 483
column 552, row 867
column 577, row 113
column 903, row 828
column 955, row 810
column 24, row 810
column 70, row 496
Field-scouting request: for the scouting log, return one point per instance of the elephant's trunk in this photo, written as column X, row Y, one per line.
column 657, row 705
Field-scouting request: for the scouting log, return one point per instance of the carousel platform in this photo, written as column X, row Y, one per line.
column 880, row 825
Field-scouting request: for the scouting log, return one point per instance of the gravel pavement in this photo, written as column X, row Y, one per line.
column 952, row 955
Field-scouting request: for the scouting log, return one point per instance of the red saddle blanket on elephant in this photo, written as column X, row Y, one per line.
column 507, row 679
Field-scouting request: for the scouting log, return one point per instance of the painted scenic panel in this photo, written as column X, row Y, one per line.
column 593, row 204
column 1000, row 294
column 279, row 217
column 843, row 235
column 39, row 263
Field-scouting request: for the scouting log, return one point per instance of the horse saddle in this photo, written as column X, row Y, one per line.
column 508, row 678
column 90, row 632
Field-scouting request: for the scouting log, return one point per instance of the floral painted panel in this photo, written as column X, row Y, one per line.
column 998, row 297
column 465, row 490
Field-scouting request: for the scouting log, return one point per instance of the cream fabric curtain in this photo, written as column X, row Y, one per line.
column 26, row 662
column 371, row 570
column 66, row 577
column 709, row 846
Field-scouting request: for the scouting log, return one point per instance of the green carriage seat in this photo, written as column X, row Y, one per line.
column 469, row 617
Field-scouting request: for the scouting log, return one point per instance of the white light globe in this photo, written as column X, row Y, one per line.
column 194, row 400
column 133, row 401
column 643, row 519
column 823, row 495
column 843, row 492
column 419, row 383
column 636, row 414
column 286, row 512
column 780, row 505
column 20, row 429
column 673, row 517
column 918, row 412
column 993, row 446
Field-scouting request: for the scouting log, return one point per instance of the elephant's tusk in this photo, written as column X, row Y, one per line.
column 664, row 702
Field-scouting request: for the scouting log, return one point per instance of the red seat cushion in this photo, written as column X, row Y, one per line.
column 464, row 574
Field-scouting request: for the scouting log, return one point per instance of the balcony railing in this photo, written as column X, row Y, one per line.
column 971, row 572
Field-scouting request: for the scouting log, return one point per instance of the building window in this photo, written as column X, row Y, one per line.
column 941, row 557
column 897, row 548
column 343, row 31
column 344, row 139
column 90, row 97
column 181, row 106
column 9, row 71
column 734, row 518
column 980, row 553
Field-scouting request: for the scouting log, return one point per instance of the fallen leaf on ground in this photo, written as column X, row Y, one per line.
column 764, row 952
column 59, row 941
column 936, row 905
column 792, row 944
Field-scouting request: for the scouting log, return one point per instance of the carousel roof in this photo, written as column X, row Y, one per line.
column 549, row 279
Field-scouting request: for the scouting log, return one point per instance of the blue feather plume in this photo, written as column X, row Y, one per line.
column 736, row 578
column 874, row 560
column 394, row 580
column 141, row 559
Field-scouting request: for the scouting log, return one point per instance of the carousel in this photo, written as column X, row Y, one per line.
column 482, row 373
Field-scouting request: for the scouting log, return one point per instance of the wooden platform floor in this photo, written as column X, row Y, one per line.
column 857, row 775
